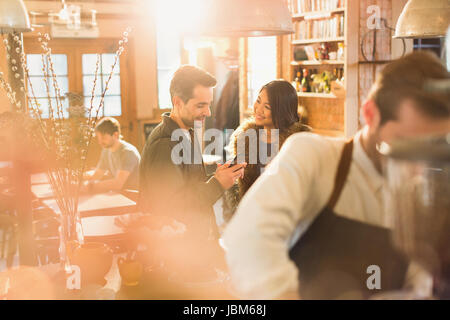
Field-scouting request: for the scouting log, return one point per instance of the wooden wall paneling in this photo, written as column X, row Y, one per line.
column 324, row 115
column 351, row 109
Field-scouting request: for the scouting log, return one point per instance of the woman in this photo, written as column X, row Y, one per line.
column 275, row 108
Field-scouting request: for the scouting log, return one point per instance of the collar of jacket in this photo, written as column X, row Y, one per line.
column 169, row 124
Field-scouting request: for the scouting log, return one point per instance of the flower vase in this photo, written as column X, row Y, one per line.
column 71, row 235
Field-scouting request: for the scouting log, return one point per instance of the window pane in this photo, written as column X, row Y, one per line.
column 44, row 105
column 163, row 89
column 112, row 103
column 89, row 63
column 262, row 59
column 62, row 83
column 34, row 63
column 168, row 50
column 113, row 106
column 108, row 61
column 59, row 64
column 88, row 83
column 95, row 105
column 40, row 88
column 113, row 86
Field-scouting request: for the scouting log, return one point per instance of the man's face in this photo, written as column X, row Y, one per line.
column 197, row 108
column 411, row 123
column 106, row 140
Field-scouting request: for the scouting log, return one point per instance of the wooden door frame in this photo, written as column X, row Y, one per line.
column 74, row 48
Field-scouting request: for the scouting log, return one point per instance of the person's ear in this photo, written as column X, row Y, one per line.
column 177, row 102
column 116, row 135
column 371, row 114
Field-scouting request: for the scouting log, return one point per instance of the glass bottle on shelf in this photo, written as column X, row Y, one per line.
column 340, row 51
column 306, row 81
column 298, row 85
column 294, row 82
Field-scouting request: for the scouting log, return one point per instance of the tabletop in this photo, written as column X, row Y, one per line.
column 110, row 203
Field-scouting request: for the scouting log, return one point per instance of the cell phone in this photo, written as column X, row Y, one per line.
column 233, row 162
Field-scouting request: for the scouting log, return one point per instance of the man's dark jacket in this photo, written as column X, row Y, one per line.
column 181, row 191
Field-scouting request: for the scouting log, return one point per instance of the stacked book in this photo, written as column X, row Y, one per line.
column 320, row 29
column 305, row 6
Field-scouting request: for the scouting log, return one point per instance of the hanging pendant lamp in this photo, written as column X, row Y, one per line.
column 13, row 17
column 423, row 19
column 246, row 18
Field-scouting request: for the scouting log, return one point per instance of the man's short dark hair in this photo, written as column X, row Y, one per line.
column 186, row 78
column 108, row 125
column 406, row 78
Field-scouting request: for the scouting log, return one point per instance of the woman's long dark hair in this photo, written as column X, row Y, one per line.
column 283, row 100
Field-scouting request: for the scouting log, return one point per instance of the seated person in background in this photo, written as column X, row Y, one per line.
column 118, row 158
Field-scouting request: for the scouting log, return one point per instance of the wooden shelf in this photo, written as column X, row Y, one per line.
column 317, row 62
column 308, row 41
column 316, row 95
column 317, row 14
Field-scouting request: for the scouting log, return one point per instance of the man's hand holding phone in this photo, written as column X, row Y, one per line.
column 228, row 172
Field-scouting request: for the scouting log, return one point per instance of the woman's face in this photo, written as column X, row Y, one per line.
column 263, row 112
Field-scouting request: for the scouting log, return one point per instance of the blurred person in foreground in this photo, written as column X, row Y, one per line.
column 314, row 227
column 118, row 167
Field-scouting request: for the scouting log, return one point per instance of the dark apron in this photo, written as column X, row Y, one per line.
column 333, row 255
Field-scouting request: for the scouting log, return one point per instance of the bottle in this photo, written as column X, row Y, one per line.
column 340, row 52
column 342, row 75
column 298, row 85
column 306, row 81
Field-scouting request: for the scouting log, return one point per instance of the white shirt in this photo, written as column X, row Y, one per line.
column 283, row 202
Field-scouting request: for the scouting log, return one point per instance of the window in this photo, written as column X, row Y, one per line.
column 173, row 19
column 42, row 85
column 74, row 63
column 432, row 44
column 168, row 46
column 112, row 105
column 261, row 64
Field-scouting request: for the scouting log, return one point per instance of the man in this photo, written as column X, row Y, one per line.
column 181, row 189
column 118, row 167
column 314, row 227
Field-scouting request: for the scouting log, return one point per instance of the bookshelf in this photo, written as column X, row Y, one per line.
column 316, row 14
column 326, row 38
column 316, row 95
column 317, row 62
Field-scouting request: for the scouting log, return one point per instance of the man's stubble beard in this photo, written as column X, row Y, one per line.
column 187, row 122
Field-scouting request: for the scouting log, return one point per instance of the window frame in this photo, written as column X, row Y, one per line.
column 244, row 106
column 74, row 49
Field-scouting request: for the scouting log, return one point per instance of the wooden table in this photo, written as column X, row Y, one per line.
column 42, row 191
column 39, row 178
column 100, row 204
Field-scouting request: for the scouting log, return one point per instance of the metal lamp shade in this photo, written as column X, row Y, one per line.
column 423, row 19
column 13, row 17
column 246, row 18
